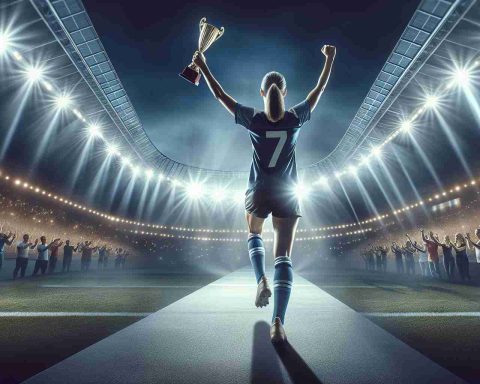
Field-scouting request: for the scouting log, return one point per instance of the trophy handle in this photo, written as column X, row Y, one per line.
column 202, row 22
column 220, row 33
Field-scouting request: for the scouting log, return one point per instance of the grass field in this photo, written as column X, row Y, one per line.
column 439, row 319
column 82, row 309
column 102, row 303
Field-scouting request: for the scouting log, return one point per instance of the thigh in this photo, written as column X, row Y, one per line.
column 284, row 234
column 255, row 224
column 257, row 203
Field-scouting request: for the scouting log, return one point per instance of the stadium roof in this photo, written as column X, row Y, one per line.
column 69, row 43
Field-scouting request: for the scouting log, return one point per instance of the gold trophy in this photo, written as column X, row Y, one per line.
column 208, row 35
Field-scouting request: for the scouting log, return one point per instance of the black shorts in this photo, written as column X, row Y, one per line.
column 279, row 202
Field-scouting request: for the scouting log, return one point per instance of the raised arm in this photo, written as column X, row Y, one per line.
column 414, row 245
column 12, row 238
column 224, row 98
column 32, row 246
column 329, row 51
column 471, row 243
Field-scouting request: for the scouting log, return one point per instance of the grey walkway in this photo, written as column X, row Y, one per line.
column 216, row 335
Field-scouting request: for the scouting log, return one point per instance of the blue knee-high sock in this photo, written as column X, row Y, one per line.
column 256, row 250
column 282, row 286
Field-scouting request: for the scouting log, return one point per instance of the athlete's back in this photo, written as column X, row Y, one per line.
column 273, row 144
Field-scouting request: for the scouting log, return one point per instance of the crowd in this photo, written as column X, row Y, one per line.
column 48, row 254
column 375, row 256
column 446, row 256
column 89, row 239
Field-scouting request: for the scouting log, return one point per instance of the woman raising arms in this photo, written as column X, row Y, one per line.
column 273, row 175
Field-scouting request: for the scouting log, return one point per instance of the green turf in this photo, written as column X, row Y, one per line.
column 32, row 344
column 452, row 342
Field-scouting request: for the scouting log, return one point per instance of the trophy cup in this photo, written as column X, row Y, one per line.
column 208, row 35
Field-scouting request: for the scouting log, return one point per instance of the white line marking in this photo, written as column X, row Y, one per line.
column 118, row 286
column 421, row 314
column 363, row 286
column 74, row 314
column 155, row 286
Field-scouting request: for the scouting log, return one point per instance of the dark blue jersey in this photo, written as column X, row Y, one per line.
column 273, row 144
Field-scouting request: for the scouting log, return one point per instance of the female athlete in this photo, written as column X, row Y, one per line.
column 273, row 176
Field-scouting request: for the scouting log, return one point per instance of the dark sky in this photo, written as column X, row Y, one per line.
column 149, row 46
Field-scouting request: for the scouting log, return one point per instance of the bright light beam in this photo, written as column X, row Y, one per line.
column 4, row 42
column 194, row 190
column 34, row 74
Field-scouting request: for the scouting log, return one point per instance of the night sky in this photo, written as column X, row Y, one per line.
column 149, row 47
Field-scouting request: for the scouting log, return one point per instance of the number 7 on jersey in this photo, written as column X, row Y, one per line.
column 282, row 136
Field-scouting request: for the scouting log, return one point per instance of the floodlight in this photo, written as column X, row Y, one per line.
column 63, row 101
column 431, row 101
column 34, row 74
column 194, row 190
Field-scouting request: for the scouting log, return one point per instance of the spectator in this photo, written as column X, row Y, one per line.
column 42, row 259
column 397, row 251
column 409, row 251
column 475, row 244
column 5, row 239
column 22, row 255
column 378, row 259
column 52, row 263
column 102, row 254
column 118, row 257
column 422, row 259
column 431, row 244
column 383, row 255
column 108, row 253
column 448, row 260
column 461, row 257
column 68, row 255
column 87, row 251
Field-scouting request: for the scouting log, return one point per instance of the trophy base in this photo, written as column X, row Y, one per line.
column 191, row 75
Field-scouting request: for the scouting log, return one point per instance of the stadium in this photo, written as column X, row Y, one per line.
column 139, row 242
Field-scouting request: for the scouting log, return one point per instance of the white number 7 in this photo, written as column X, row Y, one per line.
column 282, row 136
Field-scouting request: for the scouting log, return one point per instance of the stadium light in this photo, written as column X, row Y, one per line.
column 112, row 150
column 377, row 152
column 161, row 176
column 34, row 74
column 406, row 126
column 461, row 77
column 194, row 190
column 135, row 170
column 431, row 101
column 353, row 170
column 301, row 191
column 94, row 131
column 149, row 173
column 63, row 101
column 126, row 161
column 4, row 42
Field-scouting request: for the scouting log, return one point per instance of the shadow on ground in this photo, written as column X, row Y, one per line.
column 267, row 361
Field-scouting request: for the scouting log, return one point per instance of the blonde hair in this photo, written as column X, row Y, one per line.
column 274, row 87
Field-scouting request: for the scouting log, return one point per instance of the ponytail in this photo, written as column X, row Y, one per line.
column 274, row 87
column 275, row 105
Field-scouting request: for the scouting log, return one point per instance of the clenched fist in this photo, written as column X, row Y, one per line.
column 199, row 59
column 329, row 51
